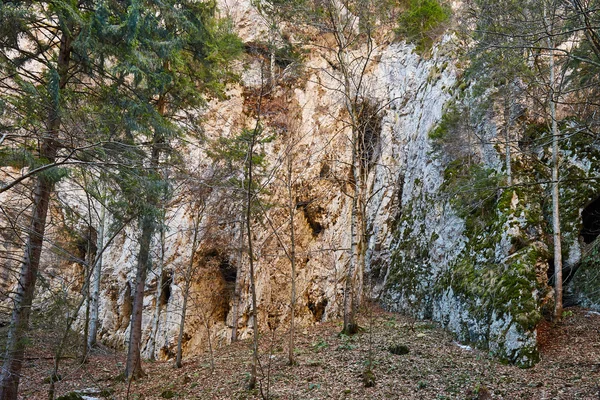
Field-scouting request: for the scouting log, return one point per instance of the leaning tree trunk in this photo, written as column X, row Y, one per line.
column 44, row 186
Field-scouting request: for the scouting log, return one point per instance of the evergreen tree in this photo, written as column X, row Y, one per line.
column 177, row 53
column 49, row 54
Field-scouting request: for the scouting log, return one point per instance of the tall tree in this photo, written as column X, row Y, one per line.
column 188, row 275
column 552, row 44
column 351, row 25
column 180, row 52
column 245, row 157
column 49, row 54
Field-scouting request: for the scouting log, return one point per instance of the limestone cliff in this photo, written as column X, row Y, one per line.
column 441, row 244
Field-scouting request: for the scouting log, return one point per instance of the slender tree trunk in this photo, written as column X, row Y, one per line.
column 159, row 289
column 178, row 357
column 238, row 286
column 507, row 126
column 97, row 277
column 350, row 295
column 86, row 296
column 558, row 279
column 91, row 255
column 186, row 292
column 16, row 341
column 360, row 247
column 249, row 198
column 291, row 209
column 206, row 319
column 353, row 72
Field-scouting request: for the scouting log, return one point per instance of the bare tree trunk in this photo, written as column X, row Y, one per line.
column 349, row 317
column 97, row 277
column 558, row 279
column 159, row 284
column 238, row 286
column 291, row 209
column 133, row 368
column 86, row 296
column 91, row 252
column 353, row 71
column 249, row 198
column 16, row 342
column 507, row 126
column 186, row 291
column 206, row 320
column 360, row 246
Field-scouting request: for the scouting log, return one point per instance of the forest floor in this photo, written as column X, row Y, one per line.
column 330, row 366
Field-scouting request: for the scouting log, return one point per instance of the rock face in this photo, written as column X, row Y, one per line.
column 441, row 243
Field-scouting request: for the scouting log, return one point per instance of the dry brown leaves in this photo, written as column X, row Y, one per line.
column 330, row 366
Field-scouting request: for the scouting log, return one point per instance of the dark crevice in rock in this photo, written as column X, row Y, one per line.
column 591, row 221
column 313, row 214
column 317, row 308
column 166, row 281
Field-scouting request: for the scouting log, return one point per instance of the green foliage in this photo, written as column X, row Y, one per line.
column 473, row 192
column 232, row 158
column 320, row 344
column 347, row 342
column 422, row 22
column 450, row 120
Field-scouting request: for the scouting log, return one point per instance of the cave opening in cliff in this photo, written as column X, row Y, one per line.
column 228, row 271
column 590, row 217
column 312, row 213
column 166, row 281
column 317, row 308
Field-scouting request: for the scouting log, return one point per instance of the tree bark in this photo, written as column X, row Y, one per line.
column 133, row 368
column 238, row 286
column 159, row 288
column 97, row 276
column 186, row 292
column 558, row 279
column 507, row 127
column 291, row 208
column 249, row 198
column 44, row 186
